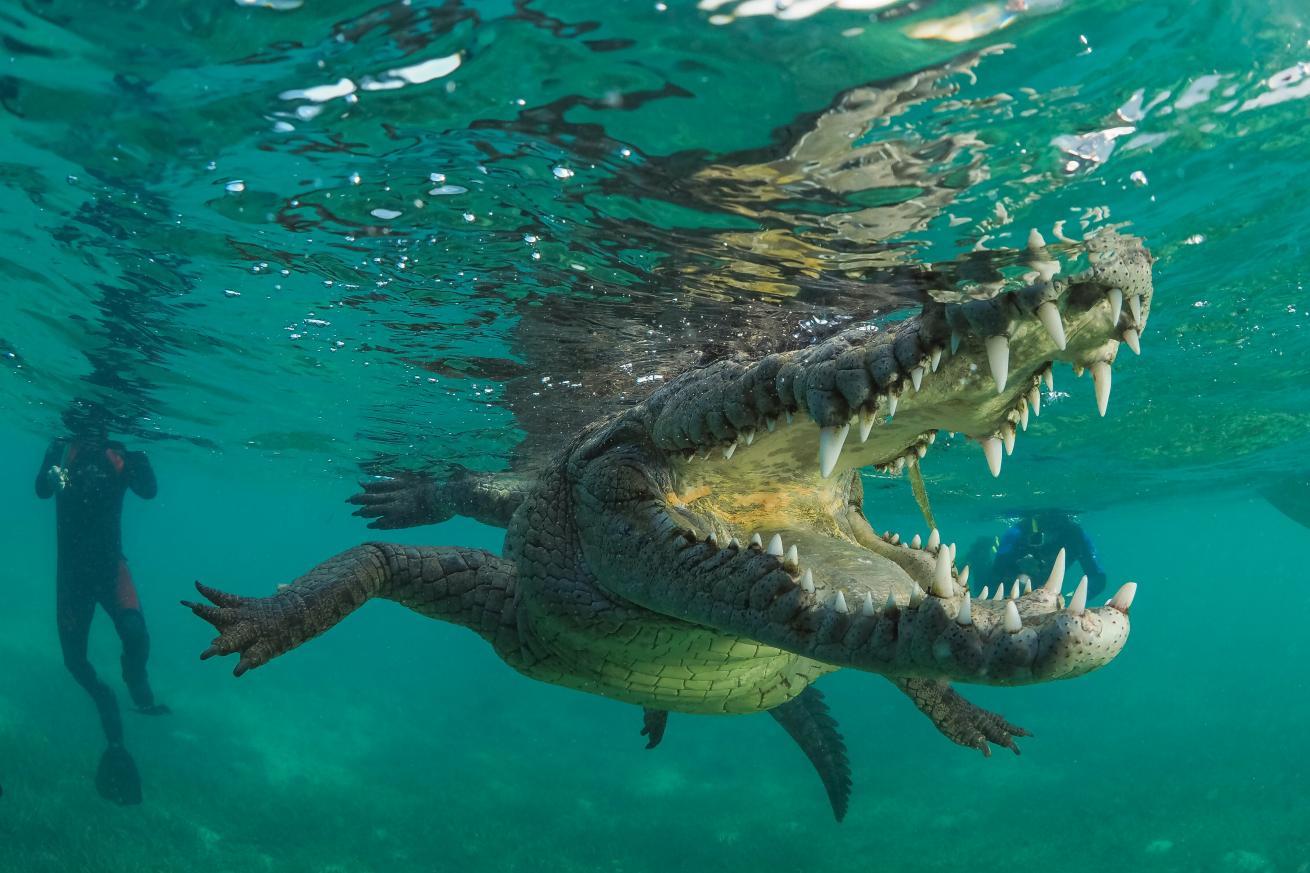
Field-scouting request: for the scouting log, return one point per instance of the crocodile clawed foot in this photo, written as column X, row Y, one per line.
column 248, row 626
column 960, row 721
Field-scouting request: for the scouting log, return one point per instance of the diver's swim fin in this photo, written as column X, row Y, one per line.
column 117, row 778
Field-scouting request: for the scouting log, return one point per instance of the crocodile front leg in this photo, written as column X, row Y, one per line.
column 414, row 499
column 959, row 720
column 468, row 587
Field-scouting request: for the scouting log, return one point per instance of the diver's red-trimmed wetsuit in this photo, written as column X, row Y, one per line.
column 88, row 480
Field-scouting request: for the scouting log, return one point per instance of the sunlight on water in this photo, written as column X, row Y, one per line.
column 282, row 246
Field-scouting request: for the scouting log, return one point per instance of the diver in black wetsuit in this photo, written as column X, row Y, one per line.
column 89, row 475
column 1029, row 548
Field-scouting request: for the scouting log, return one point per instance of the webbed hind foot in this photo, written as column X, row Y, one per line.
column 960, row 721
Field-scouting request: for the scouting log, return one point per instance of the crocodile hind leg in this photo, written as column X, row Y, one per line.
column 959, row 720
column 468, row 587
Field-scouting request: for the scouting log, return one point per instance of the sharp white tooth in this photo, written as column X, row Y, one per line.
column 791, row 559
column 965, row 616
column 892, row 400
column 866, row 424
column 831, row 439
column 735, row 543
column 941, row 578
column 1078, row 371
column 727, row 452
column 1000, row 592
column 1079, row 602
column 770, row 424
column 998, row 358
column 934, row 540
column 916, row 597
column 955, row 342
column 756, row 541
column 890, row 604
column 1035, row 240
column 992, row 449
column 775, row 546
column 1055, row 581
column 1101, row 377
column 1049, row 376
column 807, row 581
column 714, row 538
column 916, row 543
column 1023, row 414
column 932, row 437
column 964, row 579
column 1035, row 400
column 1007, row 438
column 986, row 590
column 1014, row 590
column 839, row 603
column 1049, row 315
column 895, row 540
column 1027, row 583
column 1013, row 624
column 748, row 436
column 1135, row 306
column 786, row 414
column 1133, row 340
column 936, row 359
column 952, row 553
column 916, row 377
column 1116, row 298
column 1123, row 598
column 866, row 607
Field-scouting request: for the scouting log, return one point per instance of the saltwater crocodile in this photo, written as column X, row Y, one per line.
column 705, row 549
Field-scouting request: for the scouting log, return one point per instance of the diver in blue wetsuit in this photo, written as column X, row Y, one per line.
column 1030, row 545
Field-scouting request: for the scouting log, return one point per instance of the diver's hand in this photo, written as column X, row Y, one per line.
column 407, row 500
column 58, row 477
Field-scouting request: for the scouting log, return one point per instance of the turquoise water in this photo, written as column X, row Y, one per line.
column 291, row 245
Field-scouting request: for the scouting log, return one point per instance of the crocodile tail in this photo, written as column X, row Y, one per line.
column 807, row 720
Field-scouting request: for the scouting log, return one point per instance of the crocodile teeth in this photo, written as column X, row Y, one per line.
column 1123, row 598
column 964, row 579
column 1049, row 315
column 952, row 547
column 1014, row 590
column 965, row 616
column 1049, row 377
column 1023, row 414
column 916, row 597
column 998, row 358
column 786, row 414
column 1135, row 306
column 1116, row 298
column 775, row 546
column 892, row 400
column 807, row 581
column 792, row 560
column 839, row 603
column 770, row 424
column 748, row 436
column 727, row 452
column 941, row 580
column 756, row 541
column 890, row 604
column 992, row 449
column 934, row 540
column 1133, row 340
column 1013, row 624
column 895, row 540
column 1035, row 400
column 1000, row 593
column 1055, row 581
column 935, row 360
column 916, row 377
column 866, row 425
column 1079, row 602
column 932, row 437
column 955, row 342
column 986, row 590
column 916, row 543
column 1007, row 439
column 866, row 607
column 1078, row 371
column 1101, row 377
column 1035, row 240
column 831, row 439
column 735, row 543
column 1027, row 583
column 714, row 539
